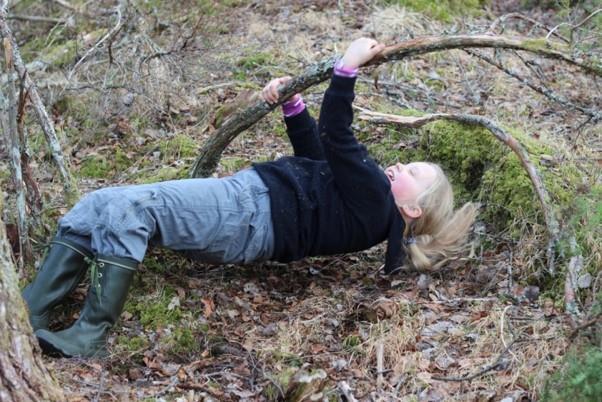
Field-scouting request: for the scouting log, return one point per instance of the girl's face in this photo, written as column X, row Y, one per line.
column 409, row 181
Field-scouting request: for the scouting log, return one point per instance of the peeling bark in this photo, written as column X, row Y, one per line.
column 23, row 376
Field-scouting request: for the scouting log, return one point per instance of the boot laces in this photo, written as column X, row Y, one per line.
column 95, row 276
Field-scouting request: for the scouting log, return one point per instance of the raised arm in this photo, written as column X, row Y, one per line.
column 353, row 169
column 301, row 128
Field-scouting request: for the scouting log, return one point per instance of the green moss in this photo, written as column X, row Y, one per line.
column 177, row 147
column 5, row 176
column 155, row 311
column 104, row 166
column 95, row 166
column 352, row 343
column 255, row 60
column 131, row 344
column 543, row 44
column 182, row 341
column 164, row 174
column 442, row 10
column 232, row 164
column 57, row 49
column 480, row 167
column 579, row 378
column 282, row 378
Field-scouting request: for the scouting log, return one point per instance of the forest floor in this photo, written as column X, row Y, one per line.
column 137, row 111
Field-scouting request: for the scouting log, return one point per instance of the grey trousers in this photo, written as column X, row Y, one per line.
column 225, row 220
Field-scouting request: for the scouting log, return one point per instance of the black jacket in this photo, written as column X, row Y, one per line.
column 331, row 197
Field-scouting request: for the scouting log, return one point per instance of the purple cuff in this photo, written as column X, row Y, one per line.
column 293, row 107
column 342, row 71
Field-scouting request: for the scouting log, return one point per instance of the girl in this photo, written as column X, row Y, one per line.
column 329, row 198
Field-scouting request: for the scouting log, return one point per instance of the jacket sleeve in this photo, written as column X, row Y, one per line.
column 302, row 132
column 356, row 174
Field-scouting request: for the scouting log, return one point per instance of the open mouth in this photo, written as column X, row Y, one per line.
column 390, row 175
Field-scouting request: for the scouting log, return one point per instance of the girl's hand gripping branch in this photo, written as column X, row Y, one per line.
column 270, row 91
column 293, row 106
column 360, row 51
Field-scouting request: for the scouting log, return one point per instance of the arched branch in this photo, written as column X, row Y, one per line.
column 503, row 136
column 321, row 71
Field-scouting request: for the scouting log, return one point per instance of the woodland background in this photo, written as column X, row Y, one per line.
column 134, row 88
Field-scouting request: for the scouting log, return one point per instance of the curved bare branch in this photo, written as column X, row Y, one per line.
column 321, row 71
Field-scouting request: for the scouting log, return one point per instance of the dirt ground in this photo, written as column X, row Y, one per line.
column 477, row 330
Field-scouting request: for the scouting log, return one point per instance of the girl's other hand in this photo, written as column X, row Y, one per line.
column 270, row 91
column 361, row 51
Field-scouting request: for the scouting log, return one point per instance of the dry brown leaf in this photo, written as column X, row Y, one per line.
column 208, row 306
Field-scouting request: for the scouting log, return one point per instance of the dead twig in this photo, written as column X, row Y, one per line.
column 34, row 199
column 10, row 130
column 346, row 391
column 500, row 362
column 594, row 115
column 380, row 366
column 499, row 133
column 37, row 18
column 585, row 325
column 118, row 11
column 236, row 123
column 570, row 283
column 505, row 17
column 573, row 27
column 80, row 10
column 38, row 105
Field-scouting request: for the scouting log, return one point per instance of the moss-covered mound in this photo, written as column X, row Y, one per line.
column 484, row 170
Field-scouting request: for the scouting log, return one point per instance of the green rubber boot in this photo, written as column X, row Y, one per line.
column 111, row 279
column 62, row 269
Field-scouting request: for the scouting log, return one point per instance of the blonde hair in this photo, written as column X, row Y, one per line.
column 440, row 233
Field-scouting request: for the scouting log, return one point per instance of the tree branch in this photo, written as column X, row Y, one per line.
column 213, row 148
column 43, row 118
column 112, row 32
column 37, row 18
column 593, row 114
column 499, row 133
column 9, row 126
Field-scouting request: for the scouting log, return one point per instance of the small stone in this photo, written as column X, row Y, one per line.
column 333, row 322
column 532, row 293
column 424, row 281
column 443, row 362
column 269, row 330
column 128, row 99
column 251, row 287
column 584, row 281
column 339, row 364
